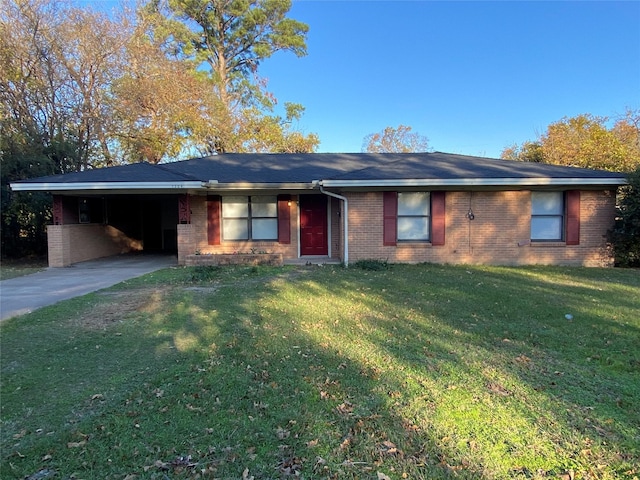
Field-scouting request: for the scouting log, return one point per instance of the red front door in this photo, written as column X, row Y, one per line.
column 313, row 225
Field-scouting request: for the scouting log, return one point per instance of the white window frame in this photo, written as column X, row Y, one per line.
column 243, row 211
column 414, row 217
column 548, row 216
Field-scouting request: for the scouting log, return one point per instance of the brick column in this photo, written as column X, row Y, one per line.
column 186, row 242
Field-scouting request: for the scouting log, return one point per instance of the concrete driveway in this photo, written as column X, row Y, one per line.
column 25, row 294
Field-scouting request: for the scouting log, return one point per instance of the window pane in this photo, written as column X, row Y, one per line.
column 235, row 206
column 264, row 206
column 414, row 203
column 235, row 229
column 413, row 228
column 546, row 228
column 264, row 229
column 546, row 203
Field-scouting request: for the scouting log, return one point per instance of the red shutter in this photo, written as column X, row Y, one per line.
column 284, row 219
column 58, row 210
column 573, row 217
column 437, row 218
column 213, row 219
column 390, row 218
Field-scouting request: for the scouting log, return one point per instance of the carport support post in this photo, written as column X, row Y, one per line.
column 186, row 242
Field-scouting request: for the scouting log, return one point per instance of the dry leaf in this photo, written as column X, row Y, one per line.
column 76, row 444
column 345, row 408
column 382, row 476
column 245, row 475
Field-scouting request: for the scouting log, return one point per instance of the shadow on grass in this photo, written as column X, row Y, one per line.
column 437, row 372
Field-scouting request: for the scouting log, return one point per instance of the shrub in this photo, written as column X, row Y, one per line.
column 625, row 235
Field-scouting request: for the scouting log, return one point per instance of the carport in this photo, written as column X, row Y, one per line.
column 93, row 226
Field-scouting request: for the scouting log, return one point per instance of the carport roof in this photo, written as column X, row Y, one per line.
column 328, row 169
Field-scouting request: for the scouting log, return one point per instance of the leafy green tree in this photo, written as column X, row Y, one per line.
column 625, row 236
column 585, row 141
column 395, row 140
column 229, row 39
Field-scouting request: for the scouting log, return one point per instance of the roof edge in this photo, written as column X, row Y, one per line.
column 60, row 186
column 480, row 182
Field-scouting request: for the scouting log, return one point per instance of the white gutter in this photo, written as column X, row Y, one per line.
column 487, row 182
column 60, row 186
column 346, row 222
column 257, row 186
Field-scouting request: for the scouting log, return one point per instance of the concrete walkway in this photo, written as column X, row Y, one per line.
column 25, row 294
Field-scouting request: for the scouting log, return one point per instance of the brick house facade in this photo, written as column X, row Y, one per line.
column 435, row 207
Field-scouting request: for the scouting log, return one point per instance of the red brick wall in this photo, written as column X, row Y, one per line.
column 499, row 233
column 192, row 238
column 70, row 244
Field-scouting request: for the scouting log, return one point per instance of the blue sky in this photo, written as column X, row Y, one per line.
column 473, row 77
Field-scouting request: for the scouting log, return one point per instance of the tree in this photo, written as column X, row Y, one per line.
column 57, row 67
column 625, row 236
column 159, row 101
column 585, row 141
column 527, row 152
column 395, row 140
column 229, row 39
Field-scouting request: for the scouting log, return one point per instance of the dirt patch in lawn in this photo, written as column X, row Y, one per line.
column 120, row 304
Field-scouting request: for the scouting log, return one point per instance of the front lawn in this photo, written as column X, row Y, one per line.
column 419, row 372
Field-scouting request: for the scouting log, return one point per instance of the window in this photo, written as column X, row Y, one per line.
column 249, row 218
column 547, row 216
column 414, row 211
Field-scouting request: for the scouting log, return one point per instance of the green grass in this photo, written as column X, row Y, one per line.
column 11, row 268
column 420, row 372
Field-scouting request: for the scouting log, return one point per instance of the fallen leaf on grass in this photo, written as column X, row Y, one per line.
column 382, row 476
column 290, row 467
column 76, row 444
column 499, row 389
column 97, row 396
column 389, row 448
column 246, row 476
column 345, row 408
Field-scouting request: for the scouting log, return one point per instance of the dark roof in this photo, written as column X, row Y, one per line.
column 331, row 167
column 437, row 165
column 135, row 172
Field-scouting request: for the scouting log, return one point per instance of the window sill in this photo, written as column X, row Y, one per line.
column 538, row 244
column 413, row 244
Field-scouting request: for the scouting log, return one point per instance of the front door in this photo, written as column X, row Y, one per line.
column 313, row 225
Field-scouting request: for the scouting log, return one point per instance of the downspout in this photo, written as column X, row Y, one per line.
column 346, row 222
